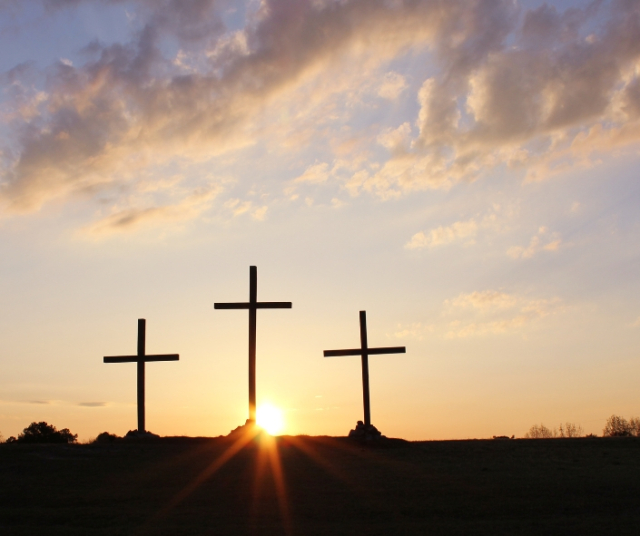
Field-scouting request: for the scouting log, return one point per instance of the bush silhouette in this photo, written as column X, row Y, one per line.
column 619, row 427
column 540, row 431
column 106, row 437
column 634, row 424
column 570, row 430
column 41, row 432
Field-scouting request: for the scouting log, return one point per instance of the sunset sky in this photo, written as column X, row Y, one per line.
column 466, row 171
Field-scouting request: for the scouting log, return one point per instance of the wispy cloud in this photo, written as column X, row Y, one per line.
column 239, row 207
column 392, row 85
column 415, row 330
column 92, row 404
column 463, row 231
column 494, row 312
column 56, row 403
column 314, row 174
column 542, row 241
column 484, row 313
column 483, row 300
column 460, row 230
column 128, row 218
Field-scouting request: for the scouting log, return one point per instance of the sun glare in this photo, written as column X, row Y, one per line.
column 270, row 419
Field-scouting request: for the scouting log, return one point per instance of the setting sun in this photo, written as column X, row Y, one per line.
column 270, row 419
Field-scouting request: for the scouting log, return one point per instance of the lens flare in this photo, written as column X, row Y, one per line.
column 270, row 419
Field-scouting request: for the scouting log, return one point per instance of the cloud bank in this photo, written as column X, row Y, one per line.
column 542, row 90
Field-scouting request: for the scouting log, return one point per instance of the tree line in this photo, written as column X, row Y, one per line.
column 616, row 426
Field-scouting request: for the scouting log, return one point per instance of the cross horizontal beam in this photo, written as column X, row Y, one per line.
column 145, row 358
column 257, row 305
column 369, row 351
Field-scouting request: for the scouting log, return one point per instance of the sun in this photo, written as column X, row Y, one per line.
column 270, row 419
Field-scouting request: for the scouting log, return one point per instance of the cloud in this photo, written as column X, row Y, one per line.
column 493, row 312
column 546, row 102
column 259, row 213
column 542, row 90
column 392, row 85
column 129, row 99
column 314, row 174
column 443, row 235
column 483, row 300
column 495, row 220
column 484, row 313
column 239, row 207
column 57, row 402
column 396, row 140
column 126, row 219
column 542, row 241
column 415, row 330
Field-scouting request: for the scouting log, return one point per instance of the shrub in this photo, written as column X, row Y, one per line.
column 540, row 432
column 617, row 427
column 106, row 437
column 634, row 425
column 570, row 430
column 41, row 432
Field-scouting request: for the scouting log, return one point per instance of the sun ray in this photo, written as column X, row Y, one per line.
column 281, row 489
column 242, row 440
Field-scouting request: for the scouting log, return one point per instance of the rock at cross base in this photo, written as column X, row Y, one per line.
column 137, row 435
column 365, row 433
column 249, row 427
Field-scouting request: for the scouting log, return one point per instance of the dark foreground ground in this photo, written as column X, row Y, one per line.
column 322, row 485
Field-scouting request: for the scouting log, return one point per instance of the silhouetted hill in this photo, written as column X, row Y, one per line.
column 321, row 485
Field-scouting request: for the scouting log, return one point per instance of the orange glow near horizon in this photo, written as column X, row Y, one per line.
column 270, row 419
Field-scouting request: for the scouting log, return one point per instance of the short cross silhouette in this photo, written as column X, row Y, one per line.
column 365, row 352
column 141, row 359
column 253, row 305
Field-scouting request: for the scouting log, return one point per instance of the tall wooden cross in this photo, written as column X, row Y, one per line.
column 141, row 358
column 365, row 352
column 253, row 305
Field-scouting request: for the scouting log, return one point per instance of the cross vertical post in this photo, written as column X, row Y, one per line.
column 253, row 297
column 365, row 367
column 142, row 325
column 253, row 305
column 364, row 352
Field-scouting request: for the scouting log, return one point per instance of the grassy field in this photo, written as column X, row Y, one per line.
column 322, row 485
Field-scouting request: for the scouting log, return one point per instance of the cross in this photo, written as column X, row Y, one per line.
column 141, row 359
column 365, row 352
column 253, row 305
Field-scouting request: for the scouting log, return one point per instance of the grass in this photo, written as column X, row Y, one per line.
column 322, row 485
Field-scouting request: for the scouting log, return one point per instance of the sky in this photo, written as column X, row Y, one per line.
column 464, row 171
